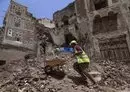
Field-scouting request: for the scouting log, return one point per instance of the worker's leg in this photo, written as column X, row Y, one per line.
column 84, row 68
column 76, row 67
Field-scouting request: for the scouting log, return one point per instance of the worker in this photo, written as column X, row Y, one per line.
column 83, row 61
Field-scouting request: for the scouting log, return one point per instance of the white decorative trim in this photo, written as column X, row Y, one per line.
column 9, row 33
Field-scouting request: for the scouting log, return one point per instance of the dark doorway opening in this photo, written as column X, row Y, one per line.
column 68, row 38
column 65, row 20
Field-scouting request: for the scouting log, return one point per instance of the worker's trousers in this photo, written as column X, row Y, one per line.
column 82, row 69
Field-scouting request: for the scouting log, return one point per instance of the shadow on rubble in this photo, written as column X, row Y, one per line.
column 57, row 75
column 78, row 80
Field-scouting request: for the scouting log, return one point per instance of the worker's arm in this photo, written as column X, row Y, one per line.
column 79, row 51
column 76, row 54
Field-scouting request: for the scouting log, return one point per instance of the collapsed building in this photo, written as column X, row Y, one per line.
column 45, row 42
column 66, row 25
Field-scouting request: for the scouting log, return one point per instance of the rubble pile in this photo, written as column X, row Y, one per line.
column 21, row 75
column 29, row 76
column 116, row 74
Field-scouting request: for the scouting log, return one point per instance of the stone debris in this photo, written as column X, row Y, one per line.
column 116, row 74
column 28, row 76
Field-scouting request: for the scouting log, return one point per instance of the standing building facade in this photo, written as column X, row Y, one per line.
column 107, row 25
column 19, row 26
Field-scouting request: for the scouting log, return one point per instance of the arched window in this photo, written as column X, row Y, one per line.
column 65, row 20
column 97, row 24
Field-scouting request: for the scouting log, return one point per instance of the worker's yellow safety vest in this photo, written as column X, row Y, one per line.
column 83, row 58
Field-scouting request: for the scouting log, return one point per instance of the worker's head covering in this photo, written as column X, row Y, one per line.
column 73, row 42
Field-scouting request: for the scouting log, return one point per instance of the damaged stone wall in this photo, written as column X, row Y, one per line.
column 45, row 41
column 80, row 8
column 67, row 27
column 106, row 22
column 67, row 11
column 1, row 35
column 115, row 49
column 19, row 26
column 11, row 54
